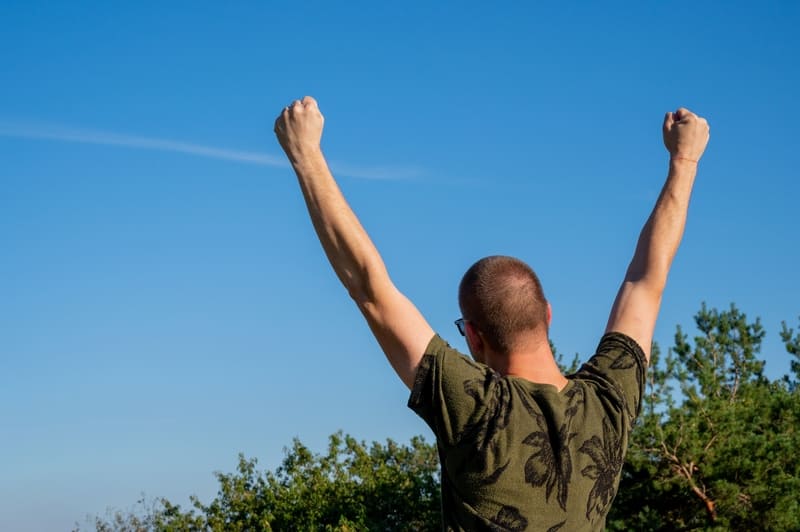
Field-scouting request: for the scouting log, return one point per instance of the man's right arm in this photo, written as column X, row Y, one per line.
column 400, row 329
column 638, row 301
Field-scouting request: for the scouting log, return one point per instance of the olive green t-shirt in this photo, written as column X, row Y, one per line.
column 517, row 455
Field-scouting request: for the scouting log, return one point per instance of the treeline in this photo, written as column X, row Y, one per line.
column 714, row 449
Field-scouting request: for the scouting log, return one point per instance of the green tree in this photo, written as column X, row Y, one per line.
column 793, row 348
column 718, row 452
column 352, row 487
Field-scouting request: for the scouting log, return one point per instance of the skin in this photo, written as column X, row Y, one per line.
column 638, row 301
column 402, row 331
column 531, row 357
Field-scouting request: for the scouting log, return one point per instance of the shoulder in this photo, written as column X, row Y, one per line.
column 617, row 372
column 441, row 361
column 618, row 351
column 452, row 393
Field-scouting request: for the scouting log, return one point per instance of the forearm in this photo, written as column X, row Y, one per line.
column 636, row 307
column 349, row 249
column 662, row 234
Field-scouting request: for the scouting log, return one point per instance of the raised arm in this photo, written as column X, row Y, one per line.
column 400, row 329
column 636, row 307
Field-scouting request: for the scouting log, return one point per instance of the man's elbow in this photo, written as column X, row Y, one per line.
column 652, row 273
column 650, row 284
column 367, row 288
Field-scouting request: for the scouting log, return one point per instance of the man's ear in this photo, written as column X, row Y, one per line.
column 549, row 314
column 474, row 340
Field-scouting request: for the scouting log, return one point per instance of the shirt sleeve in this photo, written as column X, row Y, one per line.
column 618, row 368
column 451, row 392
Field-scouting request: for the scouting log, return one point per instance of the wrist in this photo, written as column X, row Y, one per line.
column 683, row 157
column 306, row 158
column 680, row 161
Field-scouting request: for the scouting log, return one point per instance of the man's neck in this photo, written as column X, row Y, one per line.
column 532, row 361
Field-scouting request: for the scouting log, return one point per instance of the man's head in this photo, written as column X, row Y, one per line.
column 502, row 298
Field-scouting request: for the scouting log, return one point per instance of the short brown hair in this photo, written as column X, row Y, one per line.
column 502, row 297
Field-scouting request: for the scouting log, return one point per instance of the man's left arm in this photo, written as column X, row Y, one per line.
column 400, row 329
column 638, row 301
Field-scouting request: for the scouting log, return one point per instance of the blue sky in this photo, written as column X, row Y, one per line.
column 166, row 304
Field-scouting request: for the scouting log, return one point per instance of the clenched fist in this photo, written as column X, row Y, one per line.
column 299, row 128
column 685, row 135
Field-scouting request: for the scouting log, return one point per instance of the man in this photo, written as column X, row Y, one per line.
column 522, row 447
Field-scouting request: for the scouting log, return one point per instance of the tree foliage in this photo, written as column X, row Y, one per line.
column 713, row 450
column 352, row 487
column 793, row 348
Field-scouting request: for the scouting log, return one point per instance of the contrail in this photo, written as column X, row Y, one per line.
column 85, row 136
